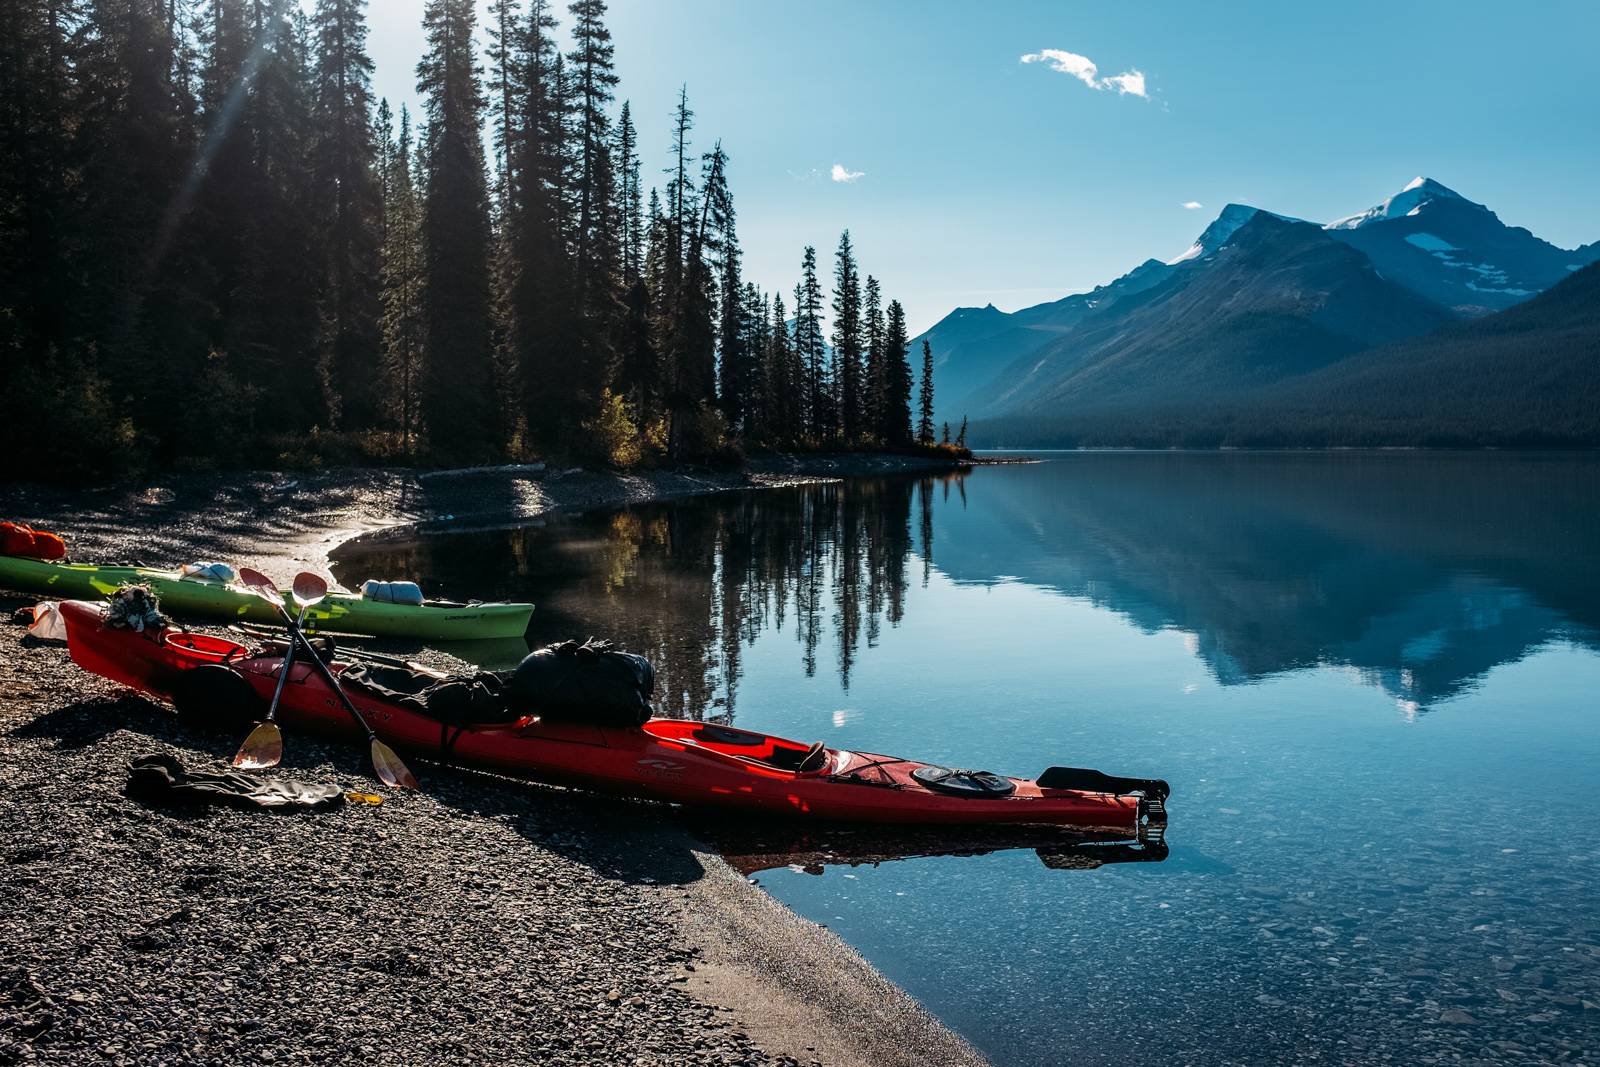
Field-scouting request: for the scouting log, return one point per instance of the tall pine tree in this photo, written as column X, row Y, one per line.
column 542, row 317
column 875, row 420
column 820, row 410
column 596, row 234
column 457, row 406
column 349, row 205
column 925, row 398
column 847, row 340
column 402, row 286
column 896, row 426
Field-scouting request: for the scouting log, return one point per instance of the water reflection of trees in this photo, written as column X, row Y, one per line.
column 830, row 562
column 1419, row 572
column 693, row 583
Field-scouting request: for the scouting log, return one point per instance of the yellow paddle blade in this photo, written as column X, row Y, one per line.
column 262, row 749
column 389, row 769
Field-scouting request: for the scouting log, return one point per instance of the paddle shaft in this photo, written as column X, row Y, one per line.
column 283, row 675
column 326, row 673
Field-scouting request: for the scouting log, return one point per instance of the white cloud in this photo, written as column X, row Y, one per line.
column 1080, row 67
column 1128, row 83
column 1192, row 205
column 842, row 175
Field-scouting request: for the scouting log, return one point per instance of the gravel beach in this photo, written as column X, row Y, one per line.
column 483, row 920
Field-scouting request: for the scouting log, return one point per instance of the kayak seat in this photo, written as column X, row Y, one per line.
column 776, row 752
column 815, row 759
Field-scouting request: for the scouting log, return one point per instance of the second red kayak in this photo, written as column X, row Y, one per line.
column 676, row 760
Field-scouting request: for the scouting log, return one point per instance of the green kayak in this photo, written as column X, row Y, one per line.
column 340, row 613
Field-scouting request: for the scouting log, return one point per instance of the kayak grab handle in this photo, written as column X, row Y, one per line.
column 1092, row 781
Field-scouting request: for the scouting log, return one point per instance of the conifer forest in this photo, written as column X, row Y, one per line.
column 218, row 249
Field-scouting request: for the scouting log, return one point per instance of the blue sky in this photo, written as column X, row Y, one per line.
column 984, row 178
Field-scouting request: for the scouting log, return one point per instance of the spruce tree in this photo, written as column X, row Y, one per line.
column 542, row 316
column 694, row 386
column 757, row 338
column 896, row 426
column 847, row 371
column 820, row 410
column 37, row 55
column 349, row 204
column 874, row 422
column 641, row 375
column 596, row 233
column 785, row 396
column 457, row 408
column 630, row 198
column 925, row 398
column 269, row 322
column 402, row 277
column 668, row 286
column 733, row 371
column 595, row 79
column 383, row 165
column 505, row 79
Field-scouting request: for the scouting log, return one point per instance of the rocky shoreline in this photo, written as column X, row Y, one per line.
column 482, row 920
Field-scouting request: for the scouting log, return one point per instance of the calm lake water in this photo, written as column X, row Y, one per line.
column 1373, row 681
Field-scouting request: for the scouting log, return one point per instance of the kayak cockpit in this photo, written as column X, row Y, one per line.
column 778, row 753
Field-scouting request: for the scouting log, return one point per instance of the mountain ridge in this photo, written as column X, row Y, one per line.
column 1427, row 241
column 1526, row 377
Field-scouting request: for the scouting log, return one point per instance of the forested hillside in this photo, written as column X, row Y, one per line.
column 217, row 248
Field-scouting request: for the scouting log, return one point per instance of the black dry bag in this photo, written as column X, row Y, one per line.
column 589, row 682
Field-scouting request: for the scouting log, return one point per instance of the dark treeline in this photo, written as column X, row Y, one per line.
column 216, row 247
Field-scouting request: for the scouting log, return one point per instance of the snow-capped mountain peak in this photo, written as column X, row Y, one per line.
column 1224, row 226
column 1407, row 201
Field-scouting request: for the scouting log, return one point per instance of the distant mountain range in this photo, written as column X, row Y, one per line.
column 1264, row 316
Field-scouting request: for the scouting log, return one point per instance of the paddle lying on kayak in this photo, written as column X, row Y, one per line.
column 309, row 588
column 339, row 613
column 674, row 760
column 264, row 747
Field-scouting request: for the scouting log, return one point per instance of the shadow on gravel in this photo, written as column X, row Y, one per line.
column 88, row 721
column 634, row 841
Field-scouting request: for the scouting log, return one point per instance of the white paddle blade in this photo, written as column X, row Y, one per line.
column 262, row 749
column 389, row 769
column 309, row 589
column 260, row 585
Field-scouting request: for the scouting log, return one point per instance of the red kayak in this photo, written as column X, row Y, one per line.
column 676, row 760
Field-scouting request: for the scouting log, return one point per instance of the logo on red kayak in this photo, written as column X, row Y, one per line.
column 662, row 768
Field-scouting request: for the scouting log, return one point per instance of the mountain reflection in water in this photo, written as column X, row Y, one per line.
column 1418, row 572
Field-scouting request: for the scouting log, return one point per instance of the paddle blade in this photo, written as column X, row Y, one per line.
column 262, row 749
column 309, row 589
column 260, row 585
column 389, row 769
